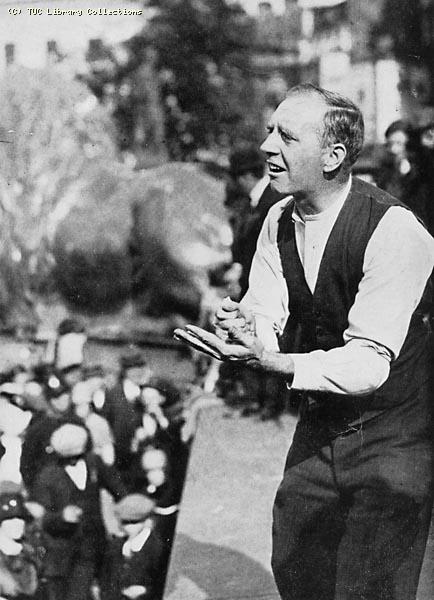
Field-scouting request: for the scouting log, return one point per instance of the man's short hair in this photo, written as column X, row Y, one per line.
column 343, row 121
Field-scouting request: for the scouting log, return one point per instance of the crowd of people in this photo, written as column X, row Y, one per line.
column 91, row 468
column 91, row 475
column 407, row 168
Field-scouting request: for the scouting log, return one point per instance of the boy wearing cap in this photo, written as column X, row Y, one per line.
column 69, row 490
column 135, row 563
column 18, row 557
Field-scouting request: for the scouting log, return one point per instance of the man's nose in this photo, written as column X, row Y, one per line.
column 268, row 145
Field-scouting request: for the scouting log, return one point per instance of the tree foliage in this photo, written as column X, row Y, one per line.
column 204, row 49
column 185, row 82
column 56, row 129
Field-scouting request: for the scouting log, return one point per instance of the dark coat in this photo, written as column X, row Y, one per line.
column 67, row 542
column 145, row 567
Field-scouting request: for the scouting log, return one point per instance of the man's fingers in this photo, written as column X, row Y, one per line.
column 197, row 343
column 202, row 334
column 244, row 337
column 228, row 324
column 227, row 351
column 230, row 305
column 222, row 314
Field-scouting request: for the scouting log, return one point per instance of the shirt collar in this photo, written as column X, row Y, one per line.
column 136, row 543
column 78, row 473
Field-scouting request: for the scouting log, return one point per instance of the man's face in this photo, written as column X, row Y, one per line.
column 294, row 147
column 62, row 403
column 396, row 143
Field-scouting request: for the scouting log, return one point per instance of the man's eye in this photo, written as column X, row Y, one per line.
column 286, row 137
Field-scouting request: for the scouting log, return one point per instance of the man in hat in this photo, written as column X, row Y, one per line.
column 69, row 490
column 349, row 299
column 135, row 565
column 19, row 558
column 119, row 405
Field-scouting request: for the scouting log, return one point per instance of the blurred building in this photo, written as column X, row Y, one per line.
column 35, row 34
column 330, row 42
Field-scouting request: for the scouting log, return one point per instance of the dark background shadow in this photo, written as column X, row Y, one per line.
column 220, row 572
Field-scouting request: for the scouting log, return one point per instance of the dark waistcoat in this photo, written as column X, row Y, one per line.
column 317, row 321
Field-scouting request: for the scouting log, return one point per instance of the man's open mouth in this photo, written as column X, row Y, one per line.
column 275, row 168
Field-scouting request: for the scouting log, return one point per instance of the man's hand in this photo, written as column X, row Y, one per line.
column 231, row 315
column 134, row 591
column 239, row 345
column 72, row 513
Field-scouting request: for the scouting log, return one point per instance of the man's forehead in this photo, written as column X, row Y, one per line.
column 301, row 111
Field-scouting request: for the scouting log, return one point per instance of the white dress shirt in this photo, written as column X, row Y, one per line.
column 136, row 543
column 398, row 260
column 78, row 474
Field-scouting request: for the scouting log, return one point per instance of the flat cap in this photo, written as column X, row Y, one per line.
column 134, row 508
column 69, row 440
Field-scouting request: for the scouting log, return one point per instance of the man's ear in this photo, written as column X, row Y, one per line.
column 334, row 157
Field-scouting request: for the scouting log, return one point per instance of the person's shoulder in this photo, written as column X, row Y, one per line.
column 400, row 231
column 399, row 219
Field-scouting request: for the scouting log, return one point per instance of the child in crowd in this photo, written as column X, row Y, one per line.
column 69, row 490
column 135, row 564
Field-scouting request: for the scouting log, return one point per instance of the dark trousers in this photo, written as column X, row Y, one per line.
column 352, row 513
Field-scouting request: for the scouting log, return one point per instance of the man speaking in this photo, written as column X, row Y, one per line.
column 337, row 305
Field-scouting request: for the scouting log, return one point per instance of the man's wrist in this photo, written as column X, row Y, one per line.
column 274, row 362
